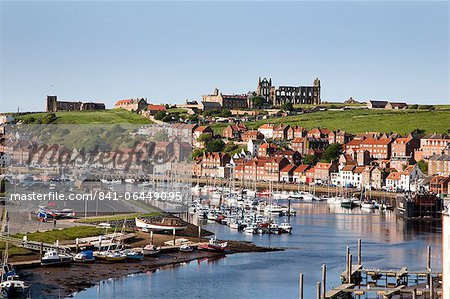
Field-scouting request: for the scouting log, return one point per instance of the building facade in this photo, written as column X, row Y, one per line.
column 284, row 94
column 53, row 105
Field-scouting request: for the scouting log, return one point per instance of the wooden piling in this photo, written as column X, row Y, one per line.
column 431, row 287
column 429, row 258
column 349, row 278
column 324, row 280
column 174, row 237
column 77, row 244
column 41, row 251
column 318, row 290
column 301, row 286
column 413, row 294
column 359, row 252
column 199, row 231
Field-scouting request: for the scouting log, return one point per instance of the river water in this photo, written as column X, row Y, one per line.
column 320, row 235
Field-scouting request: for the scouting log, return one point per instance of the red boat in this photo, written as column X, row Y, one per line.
column 213, row 245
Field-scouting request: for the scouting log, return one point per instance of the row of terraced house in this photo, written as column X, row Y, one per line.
column 274, row 152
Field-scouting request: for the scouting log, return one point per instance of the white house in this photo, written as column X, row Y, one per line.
column 409, row 177
column 266, row 130
column 393, row 181
column 253, row 146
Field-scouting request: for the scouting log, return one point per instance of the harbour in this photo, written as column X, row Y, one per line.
column 320, row 235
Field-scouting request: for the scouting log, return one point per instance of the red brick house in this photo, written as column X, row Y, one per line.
column 153, row 109
column 405, row 146
column 298, row 132
column 378, row 148
column 234, row 131
column 281, row 132
column 440, row 184
column 322, row 171
column 286, row 174
column 294, row 157
column 299, row 174
column 430, row 145
column 212, row 162
column 266, row 149
column 251, row 135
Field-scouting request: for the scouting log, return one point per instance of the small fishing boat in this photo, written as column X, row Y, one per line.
column 54, row 258
column 13, row 287
column 100, row 255
column 137, row 255
column 150, row 250
column 167, row 224
column 85, row 256
column 213, row 245
column 286, row 227
column 186, row 248
column 274, row 228
column 116, row 256
column 347, row 203
column 251, row 229
column 368, row 205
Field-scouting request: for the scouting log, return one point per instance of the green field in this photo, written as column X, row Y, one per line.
column 64, row 234
column 111, row 116
column 360, row 121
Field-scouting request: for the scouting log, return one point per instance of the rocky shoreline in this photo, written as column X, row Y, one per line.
column 59, row 282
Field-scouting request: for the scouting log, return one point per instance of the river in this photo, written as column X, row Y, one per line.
column 320, row 235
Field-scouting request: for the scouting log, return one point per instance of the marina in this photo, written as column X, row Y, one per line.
column 321, row 233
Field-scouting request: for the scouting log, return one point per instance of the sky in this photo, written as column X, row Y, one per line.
column 168, row 52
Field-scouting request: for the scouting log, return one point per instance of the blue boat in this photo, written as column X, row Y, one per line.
column 84, row 256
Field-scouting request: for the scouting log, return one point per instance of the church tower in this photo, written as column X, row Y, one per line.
column 52, row 104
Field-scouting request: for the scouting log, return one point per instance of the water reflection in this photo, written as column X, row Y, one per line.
column 320, row 235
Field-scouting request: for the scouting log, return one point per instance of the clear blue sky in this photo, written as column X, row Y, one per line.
column 169, row 52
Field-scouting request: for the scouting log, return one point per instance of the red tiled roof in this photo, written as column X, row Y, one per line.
column 394, row 176
column 372, row 141
column 152, row 107
column 301, row 168
column 288, row 168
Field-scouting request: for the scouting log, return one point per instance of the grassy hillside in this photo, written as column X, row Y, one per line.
column 112, row 116
column 359, row 121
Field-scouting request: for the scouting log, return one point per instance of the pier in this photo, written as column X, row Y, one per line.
column 357, row 281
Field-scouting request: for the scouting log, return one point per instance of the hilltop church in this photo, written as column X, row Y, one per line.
column 283, row 94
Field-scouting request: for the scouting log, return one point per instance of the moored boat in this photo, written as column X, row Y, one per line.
column 150, row 250
column 347, row 203
column 286, row 227
column 186, row 248
column 13, row 287
column 137, row 255
column 213, row 245
column 84, row 256
column 54, row 258
column 116, row 256
column 168, row 224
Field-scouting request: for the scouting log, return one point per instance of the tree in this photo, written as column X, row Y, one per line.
column 332, row 153
column 423, row 166
column 193, row 118
column 225, row 113
column 216, row 145
column 167, row 118
column 413, row 106
column 197, row 152
column 205, row 137
column 230, row 147
column 258, row 102
column 310, row 160
column 160, row 115
column 288, row 106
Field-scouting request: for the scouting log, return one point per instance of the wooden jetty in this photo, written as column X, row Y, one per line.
column 358, row 281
